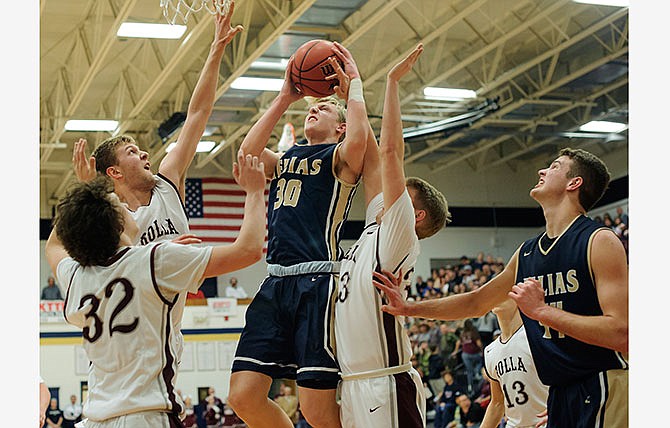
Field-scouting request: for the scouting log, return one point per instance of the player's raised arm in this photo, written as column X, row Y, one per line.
column 257, row 138
column 248, row 247
column 391, row 143
column 176, row 162
column 84, row 166
column 352, row 151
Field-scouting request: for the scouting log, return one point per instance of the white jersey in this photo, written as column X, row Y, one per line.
column 373, row 346
column 511, row 365
column 163, row 220
column 125, row 311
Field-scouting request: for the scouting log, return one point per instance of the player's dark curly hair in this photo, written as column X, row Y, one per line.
column 88, row 223
column 105, row 153
column 594, row 173
column 431, row 200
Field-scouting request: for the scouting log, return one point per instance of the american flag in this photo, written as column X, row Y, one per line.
column 215, row 208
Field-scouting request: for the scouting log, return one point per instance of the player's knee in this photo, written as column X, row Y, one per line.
column 241, row 398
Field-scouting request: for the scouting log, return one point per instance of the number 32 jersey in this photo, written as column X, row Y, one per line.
column 124, row 309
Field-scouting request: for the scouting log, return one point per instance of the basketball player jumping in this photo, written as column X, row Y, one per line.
column 516, row 390
column 156, row 201
column 571, row 286
column 122, row 296
column 287, row 331
column 380, row 389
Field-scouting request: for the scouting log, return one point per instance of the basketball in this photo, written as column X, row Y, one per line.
column 311, row 66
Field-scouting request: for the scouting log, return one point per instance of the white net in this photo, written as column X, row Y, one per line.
column 182, row 9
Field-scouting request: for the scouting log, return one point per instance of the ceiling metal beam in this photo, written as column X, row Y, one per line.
column 589, row 99
column 514, row 105
column 381, row 71
column 94, row 69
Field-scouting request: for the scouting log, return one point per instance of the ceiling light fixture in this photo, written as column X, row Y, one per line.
column 270, row 65
column 616, row 3
column 454, row 94
column 203, row 146
column 257, row 84
column 603, row 126
column 151, row 31
column 91, row 125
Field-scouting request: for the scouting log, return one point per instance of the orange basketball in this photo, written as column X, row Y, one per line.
column 311, row 66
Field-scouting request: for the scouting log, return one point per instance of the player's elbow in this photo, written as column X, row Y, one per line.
column 621, row 339
column 389, row 151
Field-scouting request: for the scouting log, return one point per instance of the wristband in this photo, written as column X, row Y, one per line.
column 356, row 90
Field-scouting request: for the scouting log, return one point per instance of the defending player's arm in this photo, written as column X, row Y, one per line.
column 496, row 408
column 176, row 162
column 610, row 272
column 257, row 138
column 392, row 146
column 248, row 247
column 351, row 153
column 372, row 183
column 472, row 304
column 397, row 231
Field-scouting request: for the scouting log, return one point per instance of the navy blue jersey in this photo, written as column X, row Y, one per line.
column 564, row 270
column 307, row 206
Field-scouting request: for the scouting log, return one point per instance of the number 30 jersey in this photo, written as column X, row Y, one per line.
column 124, row 309
column 307, row 206
column 511, row 365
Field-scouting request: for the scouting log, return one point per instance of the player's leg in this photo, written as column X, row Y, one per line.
column 317, row 374
column 319, row 406
column 264, row 352
column 249, row 399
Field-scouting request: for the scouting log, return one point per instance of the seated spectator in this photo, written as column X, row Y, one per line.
column 72, row 413
column 212, row 413
column 51, row 290
column 234, row 290
column 623, row 216
column 190, row 420
column 471, row 414
column 483, row 396
column 447, row 344
column 445, row 400
column 289, row 404
column 419, row 287
column 54, row 415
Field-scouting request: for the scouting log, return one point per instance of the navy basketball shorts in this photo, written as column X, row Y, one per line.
column 600, row 400
column 288, row 331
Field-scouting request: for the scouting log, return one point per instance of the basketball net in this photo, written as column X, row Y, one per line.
column 173, row 9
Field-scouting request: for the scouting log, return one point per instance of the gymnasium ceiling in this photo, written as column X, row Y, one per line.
column 540, row 69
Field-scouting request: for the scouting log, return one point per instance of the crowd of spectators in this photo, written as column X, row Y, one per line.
column 619, row 224
column 449, row 354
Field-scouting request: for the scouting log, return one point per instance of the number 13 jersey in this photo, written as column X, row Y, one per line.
column 124, row 309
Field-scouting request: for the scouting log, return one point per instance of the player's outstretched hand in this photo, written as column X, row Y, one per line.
column 186, row 239
column 403, row 67
column 390, row 285
column 347, row 59
column 529, row 297
column 249, row 172
column 84, row 167
column 224, row 31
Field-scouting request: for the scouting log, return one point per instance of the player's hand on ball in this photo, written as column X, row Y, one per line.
column 342, row 88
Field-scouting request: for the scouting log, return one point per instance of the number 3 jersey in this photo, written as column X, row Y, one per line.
column 307, row 206
column 124, row 309
column 366, row 338
column 511, row 365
